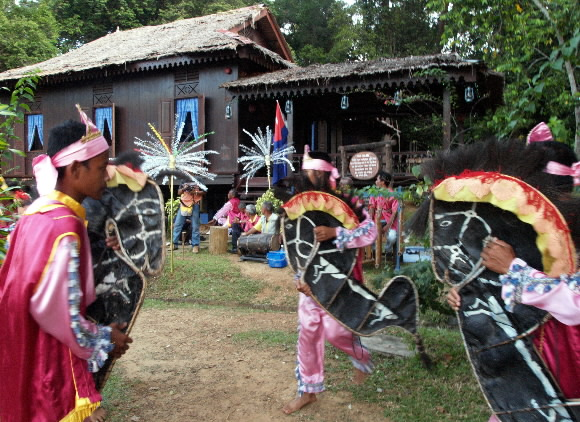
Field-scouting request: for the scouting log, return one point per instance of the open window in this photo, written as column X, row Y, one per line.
column 187, row 113
column 104, row 118
column 34, row 132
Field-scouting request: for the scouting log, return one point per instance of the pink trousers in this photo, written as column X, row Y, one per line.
column 315, row 326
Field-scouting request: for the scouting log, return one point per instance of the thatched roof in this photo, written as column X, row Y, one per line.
column 196, row 37
column 373, row 74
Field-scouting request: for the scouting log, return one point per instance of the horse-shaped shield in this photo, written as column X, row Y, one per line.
column 328, row 271
column 466, row 211
column 137, row 219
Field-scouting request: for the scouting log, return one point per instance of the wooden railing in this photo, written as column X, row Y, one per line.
column 401, row 164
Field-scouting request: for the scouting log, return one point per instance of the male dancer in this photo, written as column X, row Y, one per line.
column 48, row 348
column 315, row 324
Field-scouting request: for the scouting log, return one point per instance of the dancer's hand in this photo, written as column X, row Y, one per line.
column 112, row 242
column 119, row 339
column 497, row 256
column 304, row 288
column 322, row 233
column 453, row 299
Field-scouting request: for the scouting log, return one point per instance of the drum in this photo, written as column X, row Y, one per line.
column 258, row 244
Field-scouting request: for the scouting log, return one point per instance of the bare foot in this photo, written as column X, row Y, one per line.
column 359, row 377
column 299, row 402
column 98, row 415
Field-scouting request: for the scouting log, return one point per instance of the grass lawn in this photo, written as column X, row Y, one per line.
column 402, row 386
column 204, row 278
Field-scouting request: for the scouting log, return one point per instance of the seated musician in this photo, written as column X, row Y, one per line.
column 252, row 218
column 235, row 222
column 269, row 222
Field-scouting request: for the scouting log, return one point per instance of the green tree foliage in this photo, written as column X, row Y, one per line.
column 387, row 28
column 319, row 31
column 86, row 20
column 11, row 113
column 28, row 33
column 183, row 9
column 535, row 43
column 83, row 21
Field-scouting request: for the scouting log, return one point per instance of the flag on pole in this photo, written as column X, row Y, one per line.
column 280, row 142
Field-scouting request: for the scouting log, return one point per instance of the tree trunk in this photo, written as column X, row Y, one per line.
column 218, row 240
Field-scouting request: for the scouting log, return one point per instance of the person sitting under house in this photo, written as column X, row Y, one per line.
column 263, row 237
column 269, row 221
column 231, row 206
column 251, row 219
column 235, row 222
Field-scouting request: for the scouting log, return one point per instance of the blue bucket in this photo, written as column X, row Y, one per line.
column 416, row 254
column 277, row 259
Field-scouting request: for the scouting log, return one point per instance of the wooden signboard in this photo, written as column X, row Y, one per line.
column 364, row 165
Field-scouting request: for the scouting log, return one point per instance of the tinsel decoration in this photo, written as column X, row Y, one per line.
column 261, row 155
column 179, row 158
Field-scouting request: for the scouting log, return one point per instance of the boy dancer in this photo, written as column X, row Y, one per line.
column 315, row 324
column 48, row 347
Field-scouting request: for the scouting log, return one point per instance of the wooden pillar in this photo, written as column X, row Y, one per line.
column 460, row 129
column 389, row 158
column 290, row 127
column 342, row 161
column 446, row 120
column 322, row 136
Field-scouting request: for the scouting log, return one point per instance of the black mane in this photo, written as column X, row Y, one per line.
column 513, row 158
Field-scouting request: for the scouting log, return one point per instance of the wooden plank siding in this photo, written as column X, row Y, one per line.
column 148, row 98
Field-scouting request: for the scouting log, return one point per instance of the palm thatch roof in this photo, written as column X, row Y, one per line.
column 187, row 40
column 364, row 75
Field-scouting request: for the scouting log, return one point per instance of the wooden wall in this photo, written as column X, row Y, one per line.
column 141, row 98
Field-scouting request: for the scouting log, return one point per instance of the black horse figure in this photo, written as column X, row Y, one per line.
column 465, row 211
column 327, row 271
column 511, row 374
column 137, row 219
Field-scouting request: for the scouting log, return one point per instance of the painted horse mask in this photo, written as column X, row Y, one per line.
column 137, row 219
column 465, row 213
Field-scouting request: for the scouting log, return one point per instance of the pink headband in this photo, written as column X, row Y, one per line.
column 559, row 169
column 89, row 146
column 540, row 133
column 309, row 163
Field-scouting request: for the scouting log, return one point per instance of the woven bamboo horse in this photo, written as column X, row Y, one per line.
column 138, row 221
column 327, row 271
column 465, row 211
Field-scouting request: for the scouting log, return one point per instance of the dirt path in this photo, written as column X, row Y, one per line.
column 189, row 364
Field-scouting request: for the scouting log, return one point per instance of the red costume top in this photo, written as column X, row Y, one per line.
column 46, row 284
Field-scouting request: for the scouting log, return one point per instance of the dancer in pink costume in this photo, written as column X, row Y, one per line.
column 315, row 325
column 559, row 339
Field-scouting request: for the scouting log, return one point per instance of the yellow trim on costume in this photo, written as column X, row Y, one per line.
column 77, row 208
column 39, row 208
column 321, row 201
column 83, row 406
column 52, row 253
column 507, row 193
column 83, row 409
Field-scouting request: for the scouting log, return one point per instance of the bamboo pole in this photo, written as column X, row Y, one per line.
column 172, row 167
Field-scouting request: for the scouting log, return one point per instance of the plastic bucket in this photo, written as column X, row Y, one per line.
column 277, row 259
